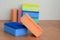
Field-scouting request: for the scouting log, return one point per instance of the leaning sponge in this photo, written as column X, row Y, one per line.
column 31, row 25
column 15, row 28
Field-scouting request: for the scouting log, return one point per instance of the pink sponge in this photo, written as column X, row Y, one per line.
column 19, row 15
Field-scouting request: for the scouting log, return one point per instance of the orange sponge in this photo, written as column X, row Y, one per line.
column 14, row 15
column 31, row 25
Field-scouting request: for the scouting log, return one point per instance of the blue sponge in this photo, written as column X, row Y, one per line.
column 31, row 14
column 15, row 28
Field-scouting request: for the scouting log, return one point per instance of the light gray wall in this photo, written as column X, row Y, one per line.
column 49, row 9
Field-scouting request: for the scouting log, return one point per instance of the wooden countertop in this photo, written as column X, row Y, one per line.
column 51, row 32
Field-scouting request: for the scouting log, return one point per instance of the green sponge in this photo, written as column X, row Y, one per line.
column 36, row 20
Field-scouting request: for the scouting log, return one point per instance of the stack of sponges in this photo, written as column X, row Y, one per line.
column 32, row 10
column 20, row 25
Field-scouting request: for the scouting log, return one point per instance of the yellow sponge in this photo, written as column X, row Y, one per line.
column 30, row 7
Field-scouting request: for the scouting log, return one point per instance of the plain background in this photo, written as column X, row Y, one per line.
column 49, row 9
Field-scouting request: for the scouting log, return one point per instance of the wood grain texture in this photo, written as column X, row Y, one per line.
column 51, row 31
